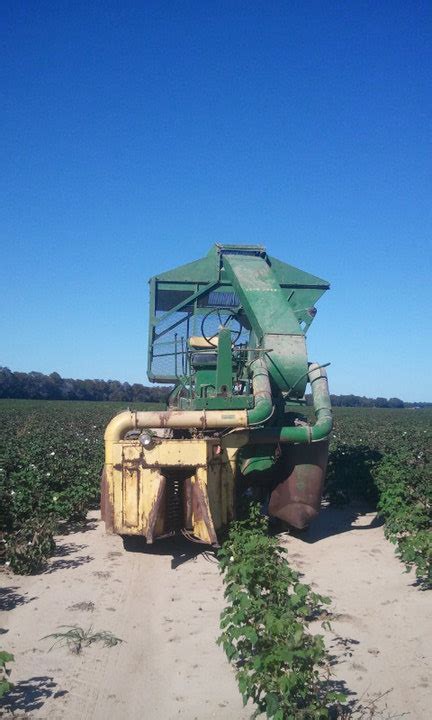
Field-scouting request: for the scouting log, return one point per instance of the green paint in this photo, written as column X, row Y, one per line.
column 224, row 370
column 274, row 298
column 253, row 459
column 273, row 321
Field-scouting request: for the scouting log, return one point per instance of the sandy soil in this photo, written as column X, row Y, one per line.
column 382, row 626
column 165, row 603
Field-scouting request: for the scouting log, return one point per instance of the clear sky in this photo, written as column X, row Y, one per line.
column 136, row 134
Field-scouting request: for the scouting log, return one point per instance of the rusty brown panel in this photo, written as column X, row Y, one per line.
column 107, row 509
column 200, row 507
column 187, row 502
column 163, row 416
column 134, row 464
column 297, row 499
column 155, row 510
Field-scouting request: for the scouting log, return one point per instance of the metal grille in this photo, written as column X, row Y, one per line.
column 169, row 350
column 219, row 299
column 174, row 504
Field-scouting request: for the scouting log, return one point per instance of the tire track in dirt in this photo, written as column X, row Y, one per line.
column 163, row 603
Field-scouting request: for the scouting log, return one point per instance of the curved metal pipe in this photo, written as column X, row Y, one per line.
column 263, row 407
column 202, row 419
column 303, row 434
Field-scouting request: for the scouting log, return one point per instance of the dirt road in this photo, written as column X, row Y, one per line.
column 164, row 605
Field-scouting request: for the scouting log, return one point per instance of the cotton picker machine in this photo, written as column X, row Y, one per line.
column 228, row 332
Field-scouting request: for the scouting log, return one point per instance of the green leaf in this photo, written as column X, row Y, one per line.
column 272, row 704
column 5, row 657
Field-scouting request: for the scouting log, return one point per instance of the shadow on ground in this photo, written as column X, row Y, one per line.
column 180, row 549
column 330, row 521
column 63, row 549
column 334, row 521
column 69, row 564
column 78, row 527
column 29, row 695
column 10, row 598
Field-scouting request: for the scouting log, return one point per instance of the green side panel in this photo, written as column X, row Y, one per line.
column 199, row 271
column 292, row 276
column 254, row 460
column 272, row 319
column 205, row 382
column 278, row 299
column 234, row 402
column 261, row 296
column 302, row 289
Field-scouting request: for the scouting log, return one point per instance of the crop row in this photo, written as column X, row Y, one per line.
column 51, row 454
column 280, row 665
column 384, row 458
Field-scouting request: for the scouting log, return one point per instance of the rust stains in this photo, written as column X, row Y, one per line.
column 107, row 508
column 201, row 511
column 297, row 499
column 187, row 503
column 154, row 512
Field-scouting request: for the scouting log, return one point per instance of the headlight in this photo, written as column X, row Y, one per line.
column 147, row 440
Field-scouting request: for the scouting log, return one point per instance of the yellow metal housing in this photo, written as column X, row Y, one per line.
column 174, row 485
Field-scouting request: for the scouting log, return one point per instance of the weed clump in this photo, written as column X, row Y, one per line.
column 76, row 638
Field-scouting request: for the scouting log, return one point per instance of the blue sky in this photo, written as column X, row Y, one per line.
column 136, row 134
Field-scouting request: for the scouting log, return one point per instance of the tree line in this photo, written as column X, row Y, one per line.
column 37, row 386
column 357, row 401
column 362, row 401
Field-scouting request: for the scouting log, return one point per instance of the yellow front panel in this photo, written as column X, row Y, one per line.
column 131, row 497
column 134, row 481
column 131, row 490
column 177, row 452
